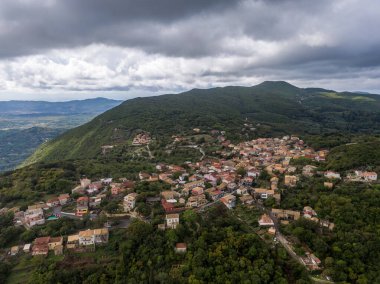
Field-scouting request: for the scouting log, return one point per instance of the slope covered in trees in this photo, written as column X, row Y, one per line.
column 275, row 108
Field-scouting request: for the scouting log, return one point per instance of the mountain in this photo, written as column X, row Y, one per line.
column 28, row 108
column 25, row 125
column 273, row 108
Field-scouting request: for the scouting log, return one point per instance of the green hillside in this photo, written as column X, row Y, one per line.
column 274, row 108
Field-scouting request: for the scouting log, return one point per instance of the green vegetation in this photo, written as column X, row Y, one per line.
column 18, row 144
column 357, row 155
column 350, row 252
column 219, row 250
column 274, row 108
column 38, row 182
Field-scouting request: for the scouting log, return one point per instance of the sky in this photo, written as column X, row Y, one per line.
column 72, row 49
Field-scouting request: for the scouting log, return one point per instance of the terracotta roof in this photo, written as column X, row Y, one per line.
column 42, row 240
column 181, row 245
column 56, row 240
column 72, row 238
column 102, row 231
column 172, row 216
column 86, row 233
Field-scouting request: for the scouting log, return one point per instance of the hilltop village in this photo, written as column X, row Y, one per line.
column 251, row 174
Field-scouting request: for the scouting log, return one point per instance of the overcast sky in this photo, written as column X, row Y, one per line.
column 65, row 49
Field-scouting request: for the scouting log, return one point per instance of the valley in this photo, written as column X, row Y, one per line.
column 25, row 125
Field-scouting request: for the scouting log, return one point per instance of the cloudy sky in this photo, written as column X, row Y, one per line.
column 65, row 49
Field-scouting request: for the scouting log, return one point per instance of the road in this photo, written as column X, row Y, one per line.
column 196, row 147
column 149, row 152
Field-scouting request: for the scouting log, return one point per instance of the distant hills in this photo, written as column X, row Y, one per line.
column 25, row 125
column 273, row 108
column 89, row 106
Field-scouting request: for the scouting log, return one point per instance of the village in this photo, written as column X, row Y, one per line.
column 232, row 180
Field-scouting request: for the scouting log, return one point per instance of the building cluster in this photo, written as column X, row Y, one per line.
column 196, row 185
column 222, row 179
column 141, row 139
column 37, row 214
column 94, row 192
column 82, row 240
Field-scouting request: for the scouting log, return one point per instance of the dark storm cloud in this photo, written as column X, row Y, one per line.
column 31, row 26
column 156, row 45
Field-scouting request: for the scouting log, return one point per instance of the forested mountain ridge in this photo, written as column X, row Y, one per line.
column 274, row 108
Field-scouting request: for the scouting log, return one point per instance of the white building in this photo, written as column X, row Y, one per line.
column 332, row 175
column 172, row 220
column 129, row 202
column 92, row 237
column 34, row 217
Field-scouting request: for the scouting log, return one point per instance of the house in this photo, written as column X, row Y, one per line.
column 283, row 214
column 332, row 175
column 101, row 236
column 129, row 202
column 169, row 194
column 198, row 183
column 85, row 182
column 247, row 181
column 94, row 187
column 364, row 176
column 308, row 170
column 95, row 201
column 144, row 176
column 272, row 231
column 141, row 139
column 63, row 198
column 311, row 261
column 14, row 250
column 246, row 199
column 27, row 248
column 197, row 191
column 229, row 201
column 54, row 242
column 215, row 194
column 180, row 248
column 53, row 202
column 262, row 193
column 196, row 201
column 117, row 188
column 128, row 184
column 172, row 220
column 34, row 217
column 308, row 212
column 242, row 190
column 265, row 220
column 168, row 207
column 369, row 176
column 86, row 238
column 328, row 184
column 253, row 173
column 78, row 189
column 72, row 242
column 290, row 180
column 274, row 183
column 41, row 246
column 82, row 205
column 211, row 179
